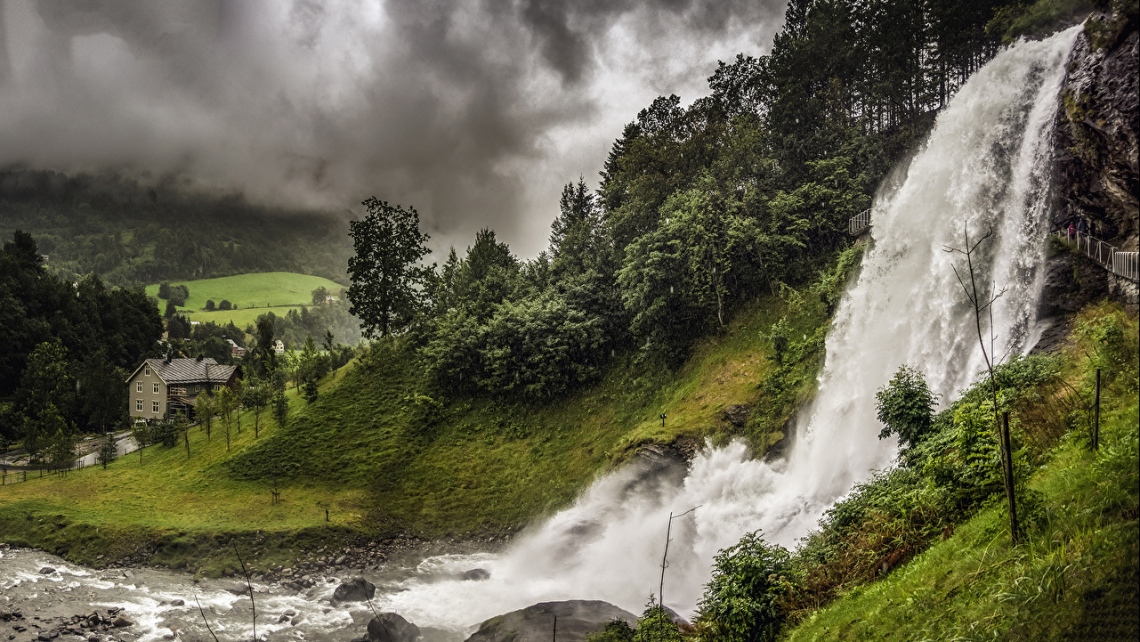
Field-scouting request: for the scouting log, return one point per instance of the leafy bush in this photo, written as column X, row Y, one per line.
column 742, row 601
column 655, row 625
column 165, row 433
column 614, row 631
column 906, row 407
column 535, row 348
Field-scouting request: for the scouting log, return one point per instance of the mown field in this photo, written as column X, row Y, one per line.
column 387, row 462
column 254, row 294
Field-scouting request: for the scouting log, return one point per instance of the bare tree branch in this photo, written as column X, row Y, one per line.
column 249, row 585
column 203, row 612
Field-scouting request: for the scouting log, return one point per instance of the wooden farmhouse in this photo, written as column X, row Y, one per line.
column 159, row 387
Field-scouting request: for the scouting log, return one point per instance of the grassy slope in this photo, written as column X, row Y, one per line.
column 1074, row 578
column 112, row 512
column 481, row 467
column 485, row 466
column 254, row 294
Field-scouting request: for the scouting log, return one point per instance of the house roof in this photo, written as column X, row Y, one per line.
column 189, row 370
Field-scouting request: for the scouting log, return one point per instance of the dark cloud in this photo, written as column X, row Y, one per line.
column 475, row 112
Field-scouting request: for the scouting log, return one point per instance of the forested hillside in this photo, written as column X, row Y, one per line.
column 701, row 208
column 129, row 233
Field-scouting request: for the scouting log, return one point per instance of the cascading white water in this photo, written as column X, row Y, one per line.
column 984, row 168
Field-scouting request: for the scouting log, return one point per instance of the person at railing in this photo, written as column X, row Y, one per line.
column 1082, row 226
column 1072, row 231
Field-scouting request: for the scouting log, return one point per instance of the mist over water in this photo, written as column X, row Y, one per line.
column 985, row 167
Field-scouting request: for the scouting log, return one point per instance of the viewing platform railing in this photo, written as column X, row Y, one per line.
column 1122, row 264
column 859, row 223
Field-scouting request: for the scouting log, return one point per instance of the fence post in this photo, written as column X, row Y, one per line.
column 1096, row 414
column 1007, row 461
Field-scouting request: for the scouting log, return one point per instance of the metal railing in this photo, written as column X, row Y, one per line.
column 859, row 223
column 1122, row 264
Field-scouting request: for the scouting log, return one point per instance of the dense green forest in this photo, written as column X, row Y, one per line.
column 68, row 348
column 130, row 234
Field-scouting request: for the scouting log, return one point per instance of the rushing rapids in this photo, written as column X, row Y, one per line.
column 985, row 167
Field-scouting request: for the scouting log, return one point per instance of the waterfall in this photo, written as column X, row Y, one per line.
column 984, row 167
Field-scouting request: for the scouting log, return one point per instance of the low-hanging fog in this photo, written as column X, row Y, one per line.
column 474, row 112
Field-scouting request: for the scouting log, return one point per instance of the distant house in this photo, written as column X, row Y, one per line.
column 161, row 387
column 279, row 346
column 236, row 351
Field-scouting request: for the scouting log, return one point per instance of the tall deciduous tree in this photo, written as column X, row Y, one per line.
column 226, row 404
column 255, row 395
column 46, row 391
column 204, row 409
column 386, row 272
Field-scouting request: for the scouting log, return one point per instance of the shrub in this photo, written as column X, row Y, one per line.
column 614, row 631
column 905, row 407
column 742, row 600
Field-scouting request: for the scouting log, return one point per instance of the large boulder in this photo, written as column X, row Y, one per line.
column 357, row 589
column 390, row 627
column 477, row 575
column 576, row 620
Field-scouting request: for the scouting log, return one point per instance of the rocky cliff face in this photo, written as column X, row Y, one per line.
column 1096, row 132
column 1096, row 165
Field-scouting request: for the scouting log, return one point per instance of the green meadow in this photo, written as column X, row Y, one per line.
column 253, row 294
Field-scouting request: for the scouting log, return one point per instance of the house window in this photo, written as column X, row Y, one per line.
column 146, row 371
column 154, row 406
column 138, row 386
column 155, row 388
column 138, row 404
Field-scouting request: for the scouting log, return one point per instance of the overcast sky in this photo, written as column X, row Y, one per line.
column 476, row 113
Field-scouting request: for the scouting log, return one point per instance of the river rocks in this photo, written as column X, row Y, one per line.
column 357, row 589
column 477, row 575
column 237, row 589
column 121, row 622
column 177, row 602
column 390, row 627
column 47, row 570
column 576, row 620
